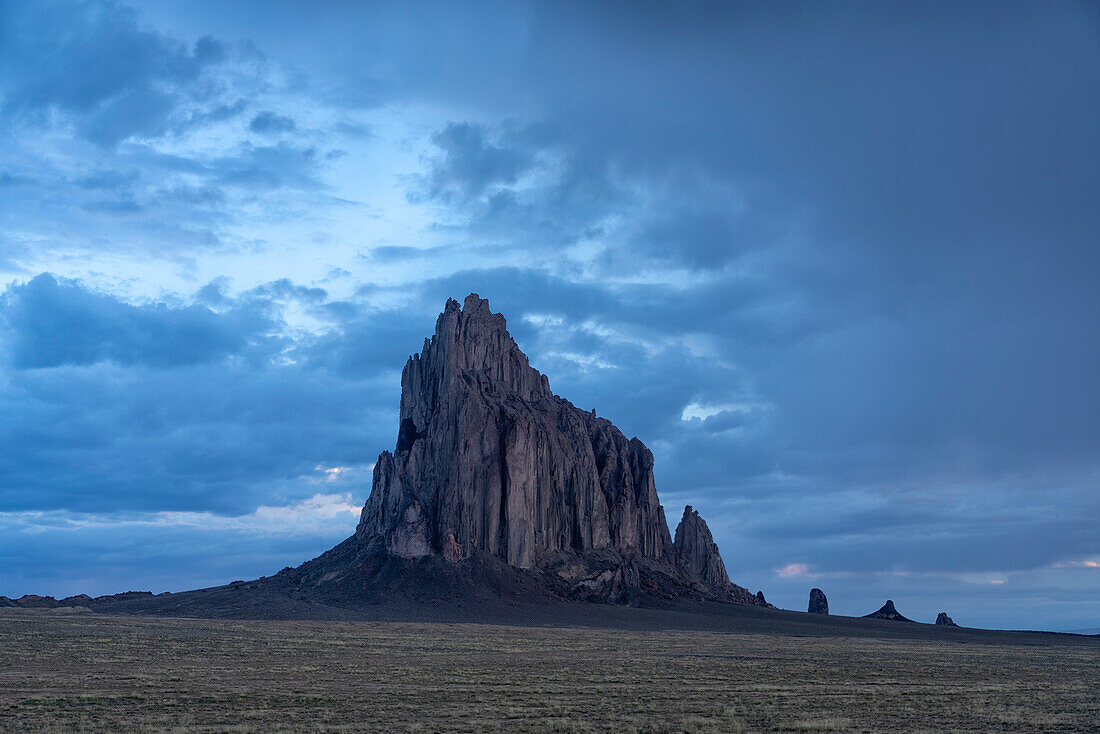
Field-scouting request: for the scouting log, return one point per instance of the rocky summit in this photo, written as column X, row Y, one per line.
column 943, row 620
column 491, row 466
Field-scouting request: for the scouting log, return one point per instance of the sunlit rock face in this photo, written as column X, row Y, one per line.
column 489, row 461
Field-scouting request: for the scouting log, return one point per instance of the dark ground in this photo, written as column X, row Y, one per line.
column 360, row 643
column 350, row 584
column 71, row 671
column 233, row 602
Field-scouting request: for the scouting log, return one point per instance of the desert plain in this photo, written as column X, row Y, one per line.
column 74, row 672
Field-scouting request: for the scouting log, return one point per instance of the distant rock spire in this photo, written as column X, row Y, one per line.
column 943, row 620
column 819, row 604
column 887, row 612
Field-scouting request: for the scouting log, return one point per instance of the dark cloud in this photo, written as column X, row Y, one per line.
column 354, row 129
column 219, row 112
column 115, row 207
column 153, row 180
column 52, row 323
column 836, row 268
column 8, row 179
column 471, row 163
column 284, row 289
column 202, row 196
column 269, row 122
column 270, row 167
column 109, row 179
column 182, row 407
column 96, row 63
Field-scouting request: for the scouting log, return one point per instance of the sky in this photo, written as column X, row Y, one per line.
column 836, row 264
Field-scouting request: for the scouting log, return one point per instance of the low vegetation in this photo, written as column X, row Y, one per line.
column 81, row 672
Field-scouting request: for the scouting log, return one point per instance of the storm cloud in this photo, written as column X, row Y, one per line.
column 834, row 264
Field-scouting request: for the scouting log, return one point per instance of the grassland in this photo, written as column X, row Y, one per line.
column 82, row 672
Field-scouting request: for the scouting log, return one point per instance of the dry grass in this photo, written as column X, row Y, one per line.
column 88, row 673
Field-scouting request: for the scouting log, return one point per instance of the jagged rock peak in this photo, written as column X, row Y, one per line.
column 470, row 339
column 489, row 460
column 819, row 603
column 887, row 611
column 944, row 620
column 697, row 553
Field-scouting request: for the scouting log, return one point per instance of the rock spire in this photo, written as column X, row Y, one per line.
column 819, row 604
column 696, row 552
column 943, row 620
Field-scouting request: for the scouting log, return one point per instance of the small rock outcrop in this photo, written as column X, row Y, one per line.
column 696, row 553
column 887, row 612
column 944, row 620
column 819, row 604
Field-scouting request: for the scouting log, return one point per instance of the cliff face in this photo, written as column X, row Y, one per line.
column 489, row 461
column 488, row 458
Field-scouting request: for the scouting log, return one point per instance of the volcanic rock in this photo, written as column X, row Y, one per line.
column 696, row 553
column 943, row 619
column 819, row 604
column 487, row 454
column 489, row 464
column 887, row 612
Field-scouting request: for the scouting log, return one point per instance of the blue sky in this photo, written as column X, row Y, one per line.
column 835, row 264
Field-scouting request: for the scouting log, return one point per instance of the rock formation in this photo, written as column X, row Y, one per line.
column 499, row 497
column 943, row 619
column 819, row 604
column 887, row 612
column 696, row 552
column 34, row 601
column 489, row 462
